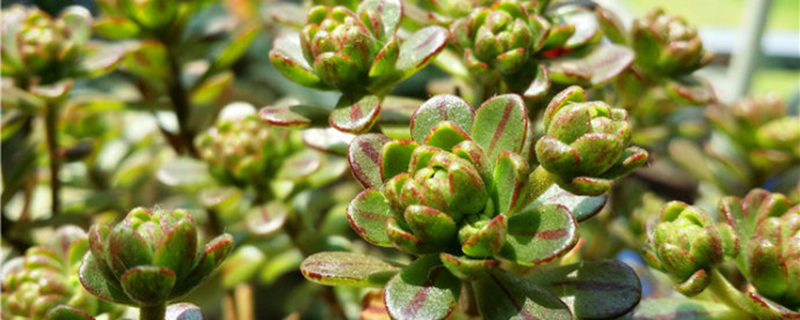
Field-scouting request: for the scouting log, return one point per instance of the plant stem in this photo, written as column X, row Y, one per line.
column 156, row 312
column 51, row 135
column 468, row 302
column 538, row 182
column 244, row 302
column 726, row 293
column 180, row 102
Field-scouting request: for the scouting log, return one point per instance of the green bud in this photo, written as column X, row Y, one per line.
column 667, row 45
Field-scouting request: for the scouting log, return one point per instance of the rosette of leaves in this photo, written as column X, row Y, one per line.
column 457, row 197
column 357, row 53
column 46, row 277
column 585, row 146
column 149, row 259
column 767, row 227
column 668, row 50
column 687, row 245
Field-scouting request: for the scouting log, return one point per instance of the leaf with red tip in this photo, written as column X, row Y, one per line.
column 390, row 12
column 605, row 289
column 502, row 296
column 540, row 85
column 764, row 308
column 421, row 48
column 539, row 235
column 364, row 155
column 183, row 311
column 348, row 269
column 690, row 91
column 501, row 123
column 287, row 57
column 178, row 249
column 405, row 241
column 266, row 219
column 446, row 135
column 437, row 109
column 466, row 268
column 94, row 279
column 582, row 207
column 488, row 240
column 395, row 158
column 211, row 258
column 607, row 62
column 148, row 285
column 65, row 312
column 587, row 186
column 127, row 248
column 368, row 214
column 510, row 176
column 425, row 290
column 355, row 116
column 296, row 116
column 328, row 140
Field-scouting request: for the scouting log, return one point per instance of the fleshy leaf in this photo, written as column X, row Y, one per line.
column 685, row 309
column 65, row 312
column 421, row 48
column 183, row 311
column 764, row 308
column 466, row 268
column 437, row 109
column 446, row 135
column 395, row 158
column 540, row 85
column 355, row 116
column 266, row 219
column 605, row 289
column 236, row 48
column 364, row 155
column 241, row 266
column 501, row 123
column 690, row 91
column 184, row 172
column 287, row 57
column 607, row 62
column 115, row 28
column 510, row 176
column 368, row 214
column 582, row 207
column 296, row 116
column 327, row 140
column 348, row 269
column 300, row 165
column 148, row 285
column 390, row 11
column 539, row 235
column 502, row 296
column 425, row 290
column 373, row 307
column 178, row 249
column 212, row 257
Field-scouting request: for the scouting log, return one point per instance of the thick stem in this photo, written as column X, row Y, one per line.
column 538, row 182
column 180, row 102
column 156, row 312
column 468, row 302
column 51, row 133
column 726, row 293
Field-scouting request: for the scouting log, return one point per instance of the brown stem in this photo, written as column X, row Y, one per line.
column 180, row 102
column 244, row 302
column 229, row 305
column 468, row 302
column 51, row 135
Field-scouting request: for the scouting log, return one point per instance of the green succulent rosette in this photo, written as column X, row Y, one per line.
column 667, row 45
column 149, row 258
column 457, row 196
column 767, row 227
column 46, row 277
column 357, row 53
column 585, row 146
column 687, row 245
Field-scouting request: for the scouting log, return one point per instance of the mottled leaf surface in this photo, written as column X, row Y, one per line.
column 368, row 214
column 582, row 207
column 421, row 48
column 364, row 155
column 504, row 296
column 296, row 116
column 266, row 219
column 539, row 235
column 425, row 290
column 501, row 123
column 355, row 115
column 437, row 109
column 348, row 269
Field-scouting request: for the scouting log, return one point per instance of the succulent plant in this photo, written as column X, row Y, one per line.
column 687, row 245
column 149, row 259
column 40, row 50
column 585, row 146
column 666, row 45
column 47, row 277
column 768, row 229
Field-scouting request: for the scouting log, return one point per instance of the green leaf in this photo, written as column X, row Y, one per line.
column 420, row 49
column 540, row 85
column 587, row 28
column 287, row 57
column 212, row 257
column 764, row 308
column 148, row 61
column 368, row 214
column 582, row 207
column 242, row 265
column 184, row 172
column 611, row 25
column 210, row 91
column 364, row 155
column 690, row 91
column 607, row 62
column 355, row 116
column 501, row 124
column 605, row 289
column 328, row 140
column 685, row 309
column 446, row 135
column 348, row 269
column 65, row 312
column 488, row 240
column 295, row 116
column 266, row 219
column 183, row 311
column 300, row 165
column 396, row 157
column 178, row 249
column 101, row 61
column 466, row 268
column 539, row 235
column 430, row 224
column 504, row 296
column 425, row 290
column 235, row 49
column 390, row 11
column 115, row 28
column 148, row 285
column 437, row 109
column 510, row 176
column 278, row 265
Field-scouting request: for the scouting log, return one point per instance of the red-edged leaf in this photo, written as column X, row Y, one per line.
column 395, row 158
column 327, row 140
column 65, row 312
column 605, row 289
column 437, row 109
column 607, row 62
column 266, row 219
column 368, row 214
column 582, row 207
column 501, row 123
column 430, row 224
column 94, row 279
column 287, row 57
column 300, row 165
column 355, row 116
column 405, row 241
column 690, row 91
column 764, row 308
column 148, row 285
column 446, row 135
column 466, row 268
column 586, row 27
column 178, row 249
column 502, row 295
column 539, row 235
column 510, row 176
column 488, row 240
column 540, row 84
column 211, row 258
column 425, row 290
column 348, row 269
column 390, row 12
column 364, row 155
column 296, row 116
column 421, row 48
